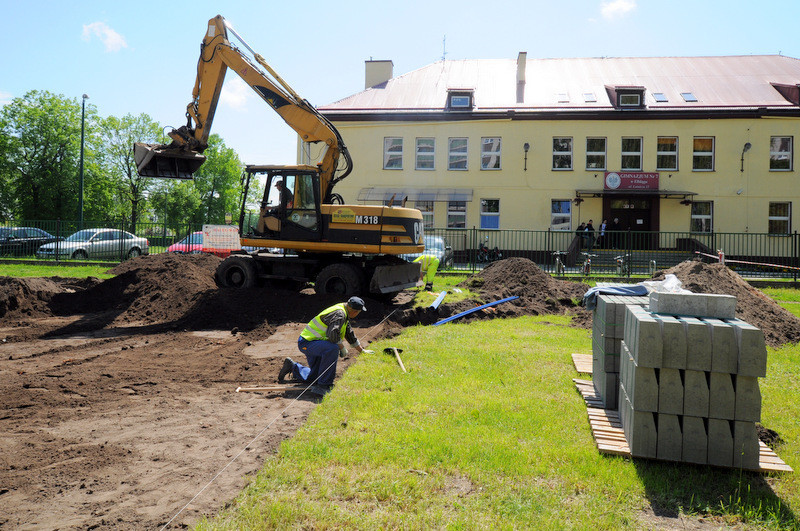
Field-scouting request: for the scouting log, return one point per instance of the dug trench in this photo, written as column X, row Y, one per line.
column 119, row 396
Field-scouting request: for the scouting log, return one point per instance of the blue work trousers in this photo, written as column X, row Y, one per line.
column 322, row 357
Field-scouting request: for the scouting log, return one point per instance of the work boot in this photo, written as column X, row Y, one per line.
column 320, row 390
column 429, row 286
column 288, row 365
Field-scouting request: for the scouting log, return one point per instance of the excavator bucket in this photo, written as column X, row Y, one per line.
column 158, row 160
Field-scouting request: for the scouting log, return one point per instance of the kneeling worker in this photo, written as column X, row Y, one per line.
column 322, row 341
column 428, row 264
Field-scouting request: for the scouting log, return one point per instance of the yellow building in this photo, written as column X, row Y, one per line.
column 695, row 144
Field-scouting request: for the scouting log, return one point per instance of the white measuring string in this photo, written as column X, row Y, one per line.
column 279, row 415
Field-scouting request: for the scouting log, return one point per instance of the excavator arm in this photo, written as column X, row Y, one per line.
column 181, row 158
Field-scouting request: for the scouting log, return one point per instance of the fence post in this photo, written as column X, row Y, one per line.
column 795, row 258
column 58, row 235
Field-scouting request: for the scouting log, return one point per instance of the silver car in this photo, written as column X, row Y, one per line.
column 96, row 244
column 439, row 247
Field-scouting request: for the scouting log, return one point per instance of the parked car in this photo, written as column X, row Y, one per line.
column 439, row 247
column 191, row 244
column 96, row 244
column 23, row 241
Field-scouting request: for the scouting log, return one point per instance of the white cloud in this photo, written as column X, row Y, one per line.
column 112, row 40
column 617, row 8
column 235, row 93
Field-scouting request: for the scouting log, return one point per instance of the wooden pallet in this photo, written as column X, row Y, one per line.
column 610, row 439
column 582, row 362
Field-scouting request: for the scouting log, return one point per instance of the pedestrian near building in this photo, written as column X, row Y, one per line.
column 589, row 236
column 580, row 232
column 601, row 239
column 428, row 265
column 322, row 342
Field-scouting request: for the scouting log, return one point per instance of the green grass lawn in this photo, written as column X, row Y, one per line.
column 487, row 430
column 52, row 270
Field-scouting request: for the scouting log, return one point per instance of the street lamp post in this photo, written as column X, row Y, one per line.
column 83, row 128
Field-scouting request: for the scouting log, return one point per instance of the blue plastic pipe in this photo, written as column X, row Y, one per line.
column 472, row 310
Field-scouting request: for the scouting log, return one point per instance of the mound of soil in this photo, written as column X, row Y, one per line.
column 538, row 292
column 31, row 296
column 779, row 325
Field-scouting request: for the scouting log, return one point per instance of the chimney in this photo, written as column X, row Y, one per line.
column 377, row 72
column 522, row 61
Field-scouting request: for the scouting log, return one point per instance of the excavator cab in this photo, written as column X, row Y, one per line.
column 167, row 162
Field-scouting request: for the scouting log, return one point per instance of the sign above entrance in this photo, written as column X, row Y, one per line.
column 630, row 181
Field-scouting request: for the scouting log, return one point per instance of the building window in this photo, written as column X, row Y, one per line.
column 703, row 155
column 456, row 214
column 595, row 153
column 561, row 214
column 460, row 100
column 780, row 153
column 424, row 153
column 702, row 216
column 490, row 153
column 660, row 97
column 667, row 153
column 490, row 213
column 688, row 97
column 780, row 218
column 629, row 100
column 457, row 154
column 589, row 97
column 631, row 153
column 426, row 207
column 392, row 153
column 562, row 153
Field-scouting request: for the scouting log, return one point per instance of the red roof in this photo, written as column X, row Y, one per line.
column 729, row 82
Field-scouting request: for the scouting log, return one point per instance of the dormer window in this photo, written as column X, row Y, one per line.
column 460, row 100
column 626, row 97
column 630, row 100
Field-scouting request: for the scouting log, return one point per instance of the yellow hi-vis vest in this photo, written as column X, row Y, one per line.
column 426, row 260
column 316, row 329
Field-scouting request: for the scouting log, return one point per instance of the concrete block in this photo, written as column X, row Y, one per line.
column 670, row 391
column 643, row 337
column 695, row 393
column 640, row 383
column 693, row 304
column 721, row 398
column 748, row 398
column 695, row 440
column 720, row 442
column 724, row 349
column 698, row 344
column 673, row 335
column 670, row 438
column 643, row 439
column 751, row 347
column 745, row 445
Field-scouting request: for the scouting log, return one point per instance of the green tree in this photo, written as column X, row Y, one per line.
column 218, row 183
column 39, row 155
column 118, row 136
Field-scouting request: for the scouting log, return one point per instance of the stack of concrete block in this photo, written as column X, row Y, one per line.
column 689, row 381
column 607, row 332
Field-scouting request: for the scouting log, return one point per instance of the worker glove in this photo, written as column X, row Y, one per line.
column 343, row 352
column 367, row 351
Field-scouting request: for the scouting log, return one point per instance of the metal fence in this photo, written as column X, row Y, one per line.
column 617, row 254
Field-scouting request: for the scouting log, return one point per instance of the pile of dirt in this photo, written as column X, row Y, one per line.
column 31, row 296
column 753, row 306
column 538, row 292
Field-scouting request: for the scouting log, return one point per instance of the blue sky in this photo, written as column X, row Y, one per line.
column 140, row 57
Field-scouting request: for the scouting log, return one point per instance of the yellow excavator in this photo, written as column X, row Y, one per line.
column 342, row 249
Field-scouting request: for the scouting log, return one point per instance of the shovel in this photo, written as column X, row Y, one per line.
column 396, row 352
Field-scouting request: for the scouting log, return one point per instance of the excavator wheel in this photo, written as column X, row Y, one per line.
column 339, row 279
column 236, row 271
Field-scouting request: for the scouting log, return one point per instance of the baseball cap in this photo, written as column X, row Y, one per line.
column 357, row 303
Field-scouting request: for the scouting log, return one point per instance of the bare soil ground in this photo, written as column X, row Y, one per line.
column 119, row 401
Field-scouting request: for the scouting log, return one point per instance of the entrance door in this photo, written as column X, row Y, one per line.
column 634, row 214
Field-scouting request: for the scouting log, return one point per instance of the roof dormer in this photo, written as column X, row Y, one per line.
column 626, row 97
column 461, row 99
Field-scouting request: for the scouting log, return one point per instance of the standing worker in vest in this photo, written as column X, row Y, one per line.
column 322, row 341
column 428, row 264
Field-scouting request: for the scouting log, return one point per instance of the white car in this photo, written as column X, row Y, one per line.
column 96, row 244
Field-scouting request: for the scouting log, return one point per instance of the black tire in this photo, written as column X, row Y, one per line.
column 339, row 279
column 80, row 255
column 134, row 252
column 236, row 271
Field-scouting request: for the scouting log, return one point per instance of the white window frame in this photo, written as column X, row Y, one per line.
column 457, row 155
column 777, row 154
column 558, row 154
column 557, row 214
column 490, row 152
column 426, row 207
column 773, row 219
column 489, row 213
column 702, row 222
column 631, row 154
column 598, row 154
column 702, row 155
column 456, row 214
column 665, row 153
column 637, row 102
column 422, row 155
column 389, row 154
